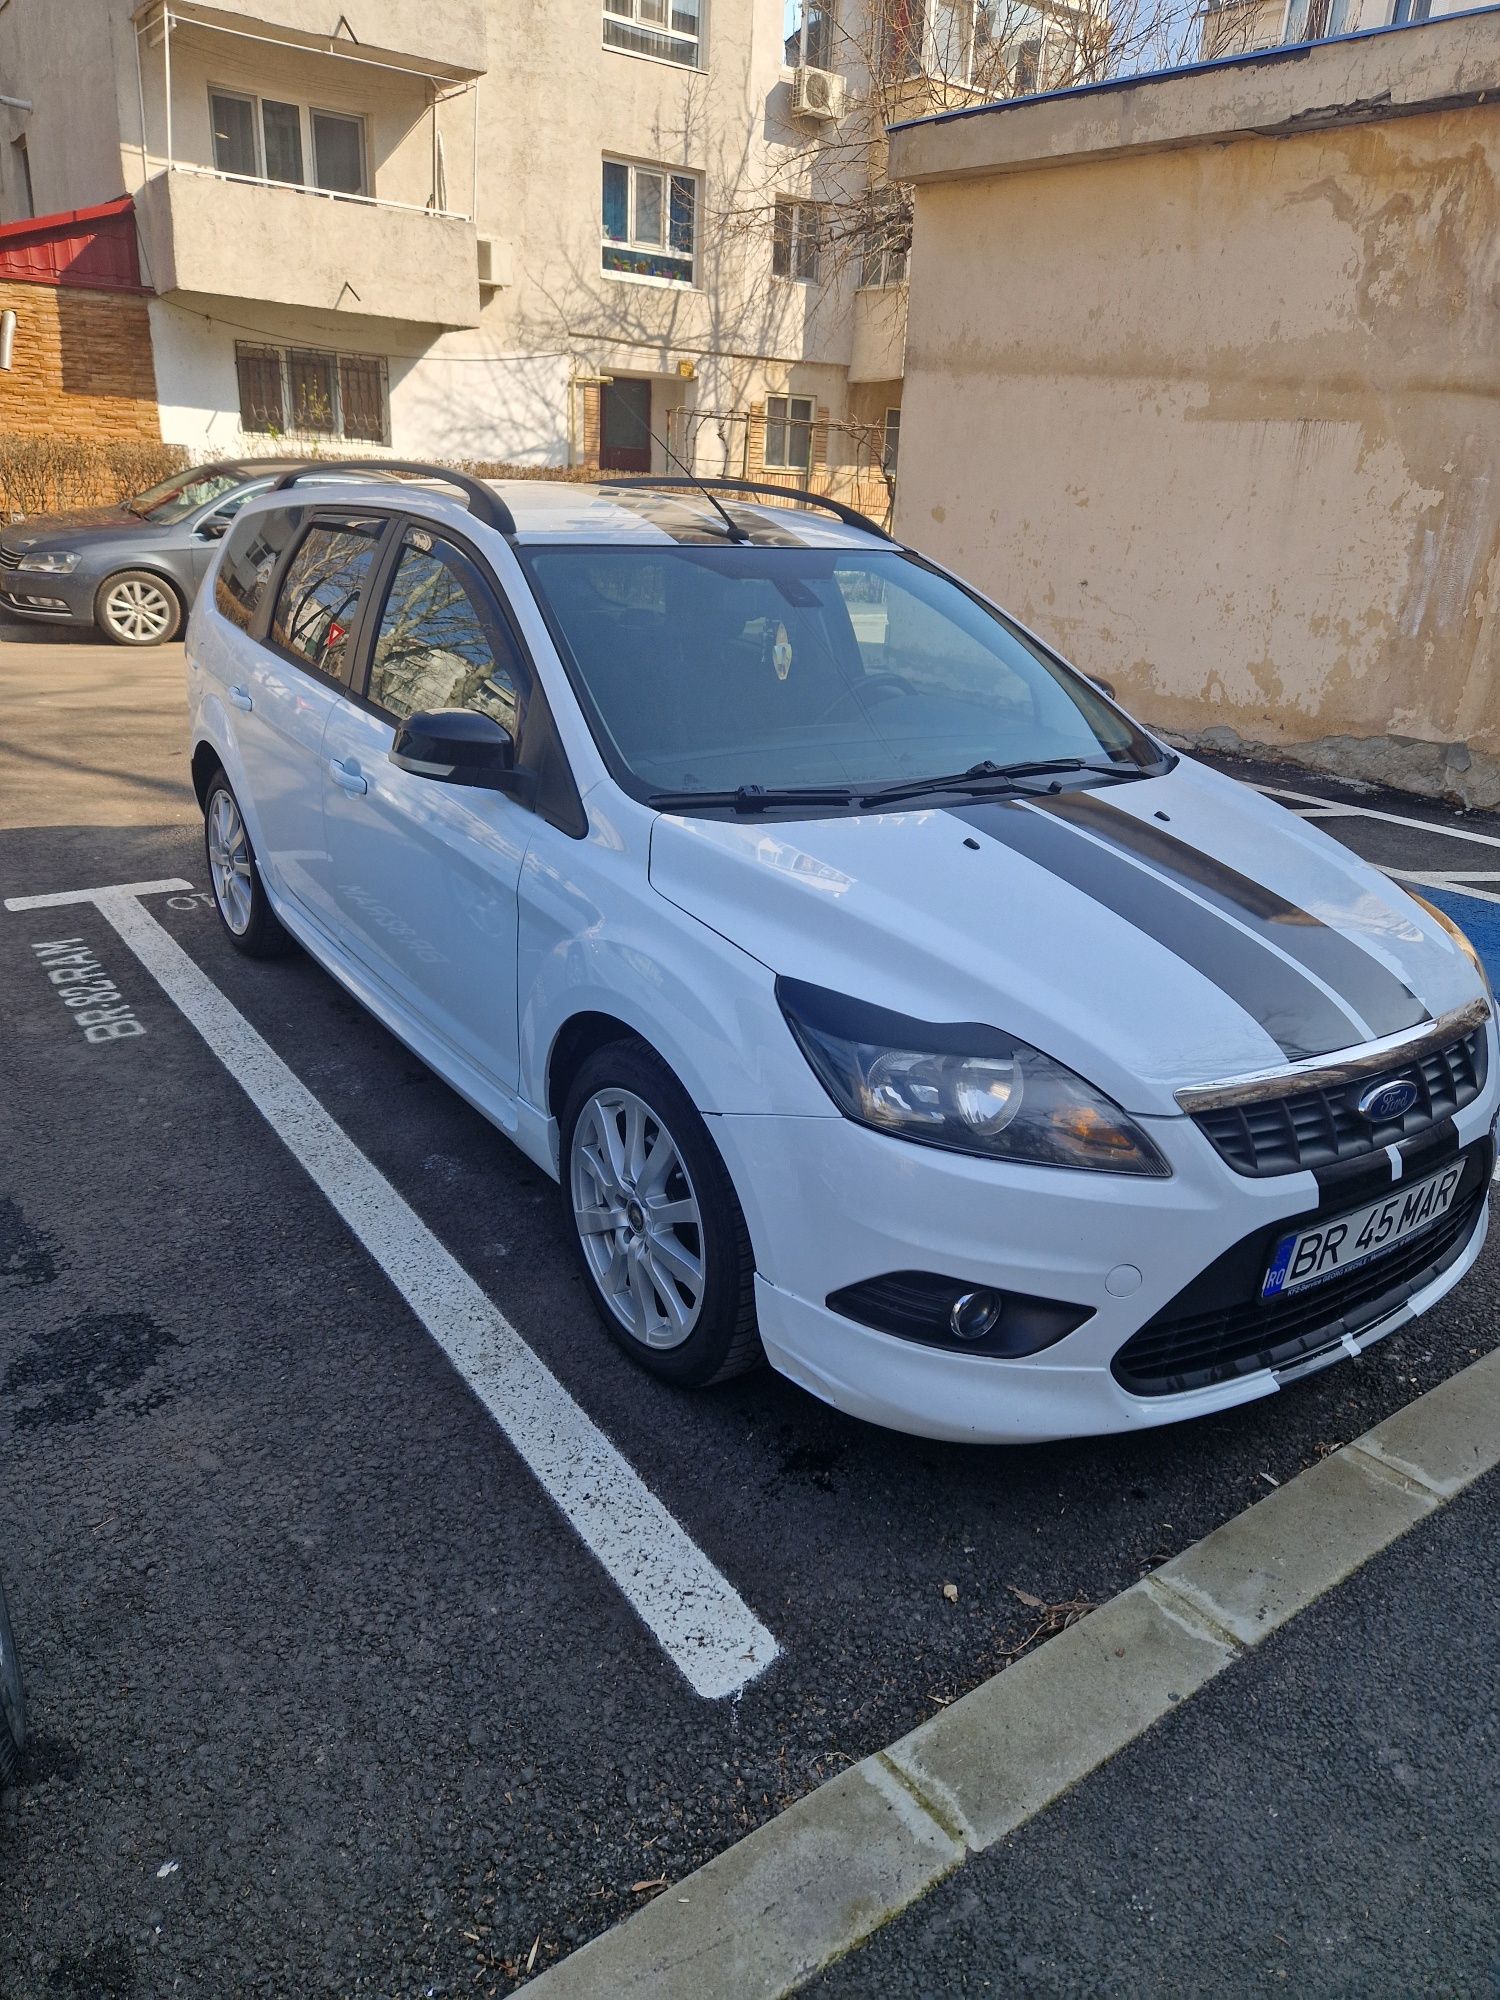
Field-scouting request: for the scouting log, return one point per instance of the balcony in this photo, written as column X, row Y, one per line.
column 218, row 236
column 439, row 38
column 878, row 349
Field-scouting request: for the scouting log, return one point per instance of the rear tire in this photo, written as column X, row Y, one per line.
column 12, row 1703
column 135, row 608
column 654, row 1220
column 234, row 875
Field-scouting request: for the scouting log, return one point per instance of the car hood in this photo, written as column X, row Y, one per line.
column 1151, row 935
column 83, row 529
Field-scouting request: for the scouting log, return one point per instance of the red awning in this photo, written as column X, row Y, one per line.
column 93, row 248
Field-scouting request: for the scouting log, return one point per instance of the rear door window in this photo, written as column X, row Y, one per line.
column 319, row 599
column 251, row 552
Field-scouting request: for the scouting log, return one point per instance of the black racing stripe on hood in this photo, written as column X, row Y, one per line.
column 1296, row 1014
column 1370, row 988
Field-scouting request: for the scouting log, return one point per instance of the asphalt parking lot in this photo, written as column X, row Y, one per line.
column 328, row 1695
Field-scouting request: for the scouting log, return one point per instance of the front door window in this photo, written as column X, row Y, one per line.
column 442, row 642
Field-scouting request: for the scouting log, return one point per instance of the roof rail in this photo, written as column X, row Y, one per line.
column 849, row 515
column 484, row 503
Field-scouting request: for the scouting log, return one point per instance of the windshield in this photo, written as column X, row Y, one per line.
column 714, row 668
column 182, row 494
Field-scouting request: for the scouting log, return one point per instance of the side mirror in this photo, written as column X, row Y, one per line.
column 457, row 746
column 214, row 527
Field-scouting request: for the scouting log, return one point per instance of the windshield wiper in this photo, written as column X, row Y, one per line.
column 980, row 776
column 755, row 798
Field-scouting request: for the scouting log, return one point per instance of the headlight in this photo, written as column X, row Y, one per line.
column 1458, row 936
column 961, row 1086
column 56, row 562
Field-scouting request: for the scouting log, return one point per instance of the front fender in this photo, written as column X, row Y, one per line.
column 595, row 937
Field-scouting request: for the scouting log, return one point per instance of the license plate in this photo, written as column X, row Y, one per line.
column 1344, row 1241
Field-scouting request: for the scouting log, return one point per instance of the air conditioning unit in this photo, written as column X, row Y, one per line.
column 495, row 262
column 817, row 93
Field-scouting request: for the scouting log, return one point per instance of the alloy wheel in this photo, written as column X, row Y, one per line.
column 140, row 611
column 229, row 862
column 638, row 1218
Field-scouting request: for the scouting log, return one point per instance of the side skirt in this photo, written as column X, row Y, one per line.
column 523, row 1124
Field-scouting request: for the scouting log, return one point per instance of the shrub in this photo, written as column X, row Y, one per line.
column 45, row 475
column 485, row 468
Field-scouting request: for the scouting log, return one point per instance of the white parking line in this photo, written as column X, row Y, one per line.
column 699, row 1620
column 1461, row 881
column 1340, row 809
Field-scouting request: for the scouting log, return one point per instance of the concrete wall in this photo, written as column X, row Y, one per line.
column 1220, row 414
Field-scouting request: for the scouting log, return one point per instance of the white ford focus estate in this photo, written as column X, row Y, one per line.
column 883, row 998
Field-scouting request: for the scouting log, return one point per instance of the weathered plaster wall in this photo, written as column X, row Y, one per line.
column 1223, row 422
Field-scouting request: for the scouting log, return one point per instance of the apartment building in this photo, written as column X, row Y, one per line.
column 532, row 231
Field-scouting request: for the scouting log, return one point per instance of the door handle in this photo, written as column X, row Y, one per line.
column 241, row 698
column 349, row 776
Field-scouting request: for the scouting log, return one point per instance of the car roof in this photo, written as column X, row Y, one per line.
column 553, row 511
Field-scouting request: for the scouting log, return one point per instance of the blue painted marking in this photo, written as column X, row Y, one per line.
column 1478, row 919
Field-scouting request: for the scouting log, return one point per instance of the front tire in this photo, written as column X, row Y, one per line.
column 234, row 874
column 12, row 1703
column 655, row 1222
column 135, row 608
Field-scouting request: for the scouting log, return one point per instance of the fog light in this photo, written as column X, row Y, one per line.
column 973, row 1314
column 45, row 603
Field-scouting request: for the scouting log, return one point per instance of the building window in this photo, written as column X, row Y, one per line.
column 650, row 222
column 338, row 152
column 308, row 392
column 670, row 30
column 882, row 257
column 892, row 449
column 948, row 40
column 808, row 34
column 789, row 433
column 263, row 139
column 794, row 244
column 1315, row 20
column 282, row 127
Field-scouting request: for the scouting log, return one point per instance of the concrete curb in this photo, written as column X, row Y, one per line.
column 764, row 1916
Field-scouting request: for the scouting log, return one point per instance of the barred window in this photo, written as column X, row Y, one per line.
column 309, row 392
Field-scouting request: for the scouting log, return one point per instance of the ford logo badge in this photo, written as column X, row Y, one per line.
column 1383, row 1103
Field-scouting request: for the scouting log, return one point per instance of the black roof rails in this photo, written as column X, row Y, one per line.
column 850, row 515
column 484, row 503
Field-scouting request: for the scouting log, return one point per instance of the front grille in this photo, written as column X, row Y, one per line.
column 1318, row 1128
column 1192, row 1343
column 9, row 558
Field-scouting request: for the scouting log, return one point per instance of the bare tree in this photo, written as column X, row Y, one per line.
column 827, row 203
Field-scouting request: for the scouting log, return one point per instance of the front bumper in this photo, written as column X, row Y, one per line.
column 830, row 1204
column 62, row 600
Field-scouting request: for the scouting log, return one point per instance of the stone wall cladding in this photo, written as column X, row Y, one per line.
column 82, row 365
